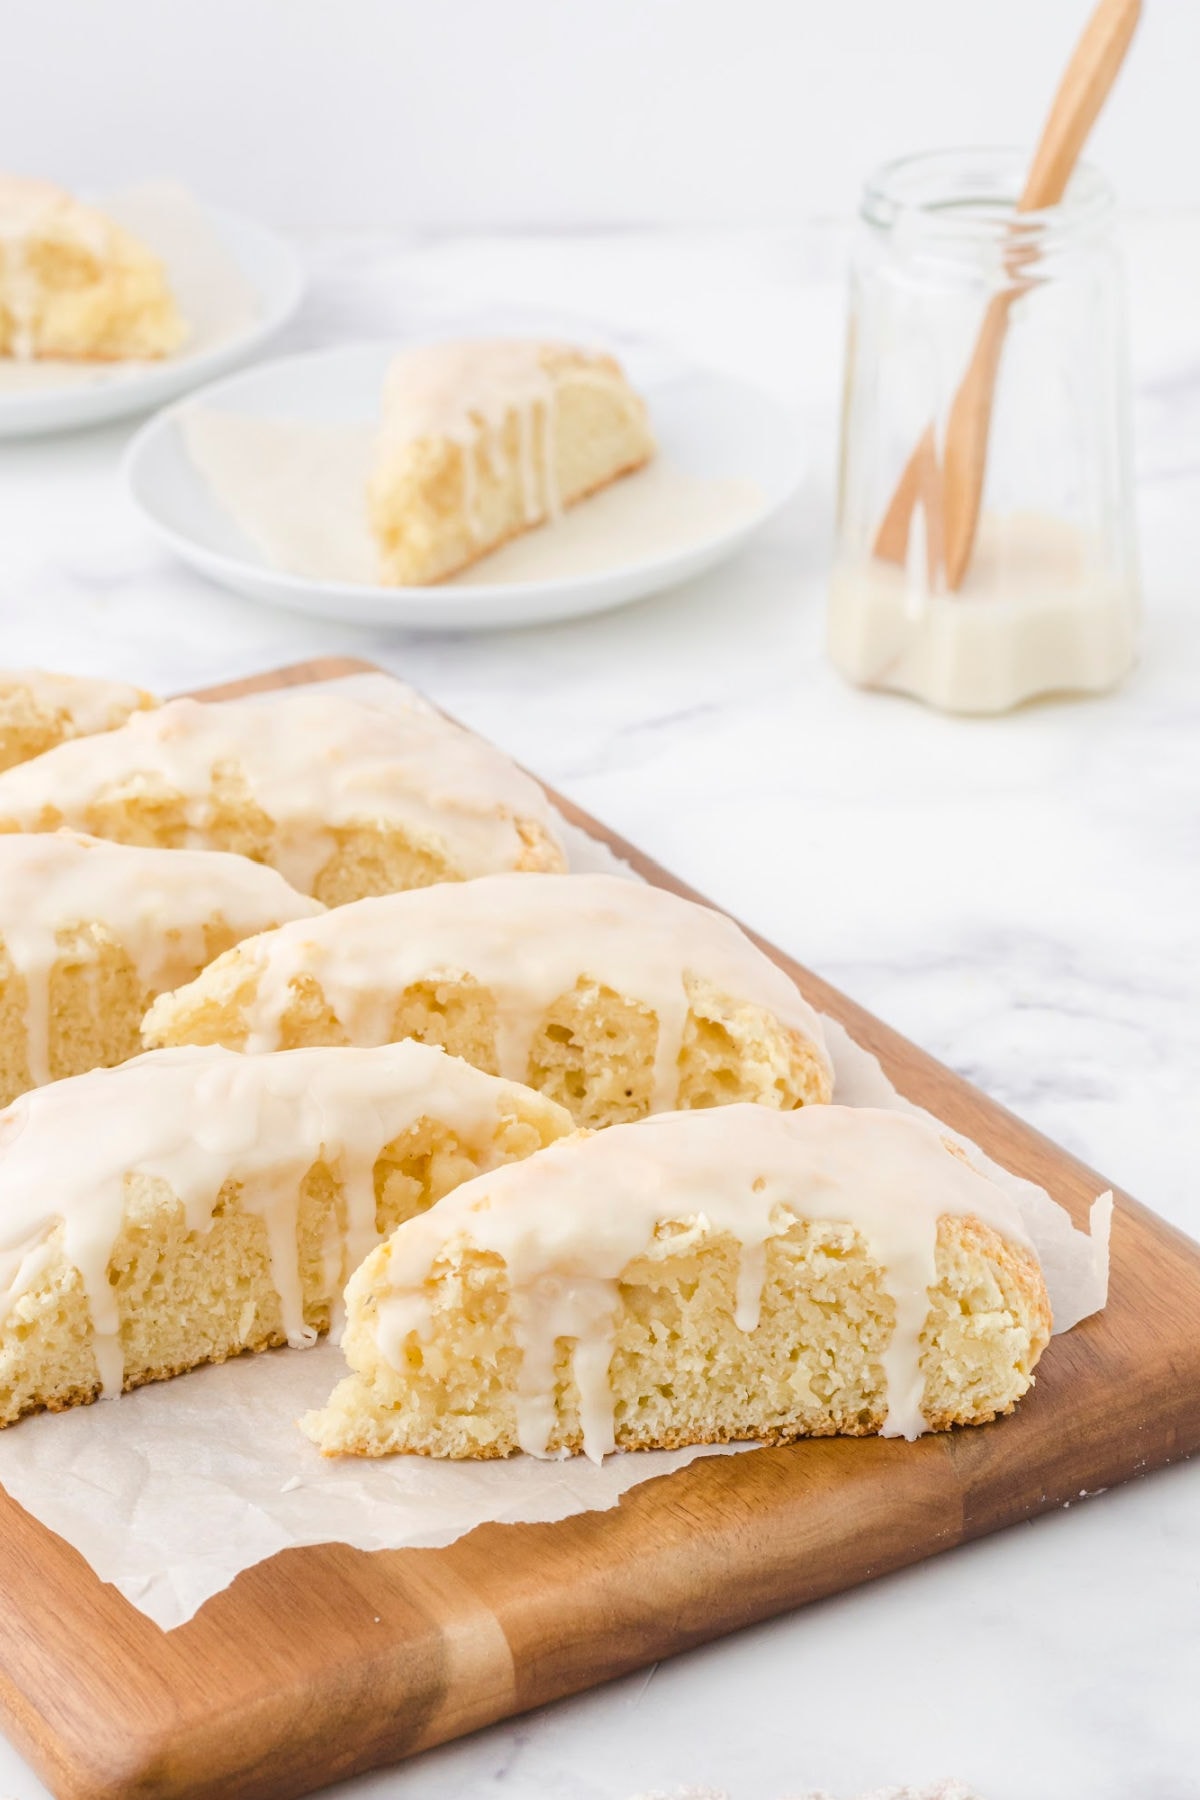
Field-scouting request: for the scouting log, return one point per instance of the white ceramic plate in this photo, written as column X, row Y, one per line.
column 270, row 268
column 709, row 426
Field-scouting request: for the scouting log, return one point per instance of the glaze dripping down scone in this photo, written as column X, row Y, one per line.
column 193, row 1204
column 480, row 441
column 76, row 285
column 92, row 931
column 614, row 997
column 342, row 796
column 39, row 709
column 697, row 1277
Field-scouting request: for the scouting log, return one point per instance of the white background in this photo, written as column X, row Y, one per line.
column 466, row 113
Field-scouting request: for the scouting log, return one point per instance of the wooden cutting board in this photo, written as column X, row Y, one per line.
column 323, row 1662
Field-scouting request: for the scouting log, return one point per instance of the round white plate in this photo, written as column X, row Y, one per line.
column 271, row 269
column 708, row 425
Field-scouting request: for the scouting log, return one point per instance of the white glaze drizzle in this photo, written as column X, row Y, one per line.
column 198, row 1118
column 87, row 705
column 569, row 1220
column 467, row 391
column 154, row 903
column 529, row 939
column 312, row 761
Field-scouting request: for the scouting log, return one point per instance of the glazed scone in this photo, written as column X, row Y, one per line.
column 698, row 1277
column 91, row 932
column 480, row 441
column 39, row 709
column 74, row 284
column 192, row 1204
column 613, row 997
column 342, row 796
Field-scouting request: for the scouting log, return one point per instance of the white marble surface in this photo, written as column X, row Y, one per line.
column 1021, row 896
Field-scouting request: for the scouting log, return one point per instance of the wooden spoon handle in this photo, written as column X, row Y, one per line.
column 965, row 456
column 920, row 483
column 1082, row 92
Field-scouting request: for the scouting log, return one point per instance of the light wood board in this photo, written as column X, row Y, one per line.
column 323, row 1662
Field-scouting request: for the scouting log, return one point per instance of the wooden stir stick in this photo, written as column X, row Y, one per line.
column 952, row 502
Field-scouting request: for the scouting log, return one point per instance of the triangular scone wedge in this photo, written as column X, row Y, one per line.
column 695, row 1278
column 481, row 440
column 194, row 1203
column 75, row 284
column 39, row 709
column 91, row 931
column 614, row 997
column 344, row 797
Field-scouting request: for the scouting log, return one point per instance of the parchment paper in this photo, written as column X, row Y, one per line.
column 213, row 295
column 171, row 1491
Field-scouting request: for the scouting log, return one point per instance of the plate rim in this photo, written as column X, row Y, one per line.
column 198, row 369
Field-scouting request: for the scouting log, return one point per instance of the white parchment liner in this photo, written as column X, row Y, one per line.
column 172, row 1491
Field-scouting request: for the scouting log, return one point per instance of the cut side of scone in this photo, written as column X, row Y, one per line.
column 92, row 931
column 39, row 709
column 482, row 440
column 614, row 997
column 344, row 797
column 192, row 1204
column 76, row 285
column 697, row 1277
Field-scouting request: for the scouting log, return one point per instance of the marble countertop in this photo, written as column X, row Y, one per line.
column 1020, row 896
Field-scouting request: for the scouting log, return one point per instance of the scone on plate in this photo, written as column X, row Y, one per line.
column 91, row 932
column 74, row 284
column 480, row 441
column 613, row 997
column 343, row 796
column 39, row 709
column 192, row 1204
column 696, row 1278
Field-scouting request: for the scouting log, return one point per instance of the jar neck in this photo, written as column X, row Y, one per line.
column 962, row 205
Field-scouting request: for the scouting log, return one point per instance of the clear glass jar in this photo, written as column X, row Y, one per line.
column 1049, row 601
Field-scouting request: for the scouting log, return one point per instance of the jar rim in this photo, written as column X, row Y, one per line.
column 971, row 193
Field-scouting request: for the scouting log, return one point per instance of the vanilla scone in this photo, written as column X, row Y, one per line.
column 74, row 284
column 91, row 932
column 482, row 440
column 697, row 1277
column 193, row 1203
column 39, row 709
column 613, row 997
column 344, row 797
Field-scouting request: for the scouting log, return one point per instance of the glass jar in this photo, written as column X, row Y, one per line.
column 1049, row 599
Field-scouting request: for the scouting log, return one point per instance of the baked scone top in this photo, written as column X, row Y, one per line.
column 75, row 283
column 53, row 879
column 88, row 702
column 157, row 904
column 199, row 1118
column 39, row 709
column 453, row 388
column 569, row 1220
column 30, row 206
column 312, row 762
column 528, row 939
